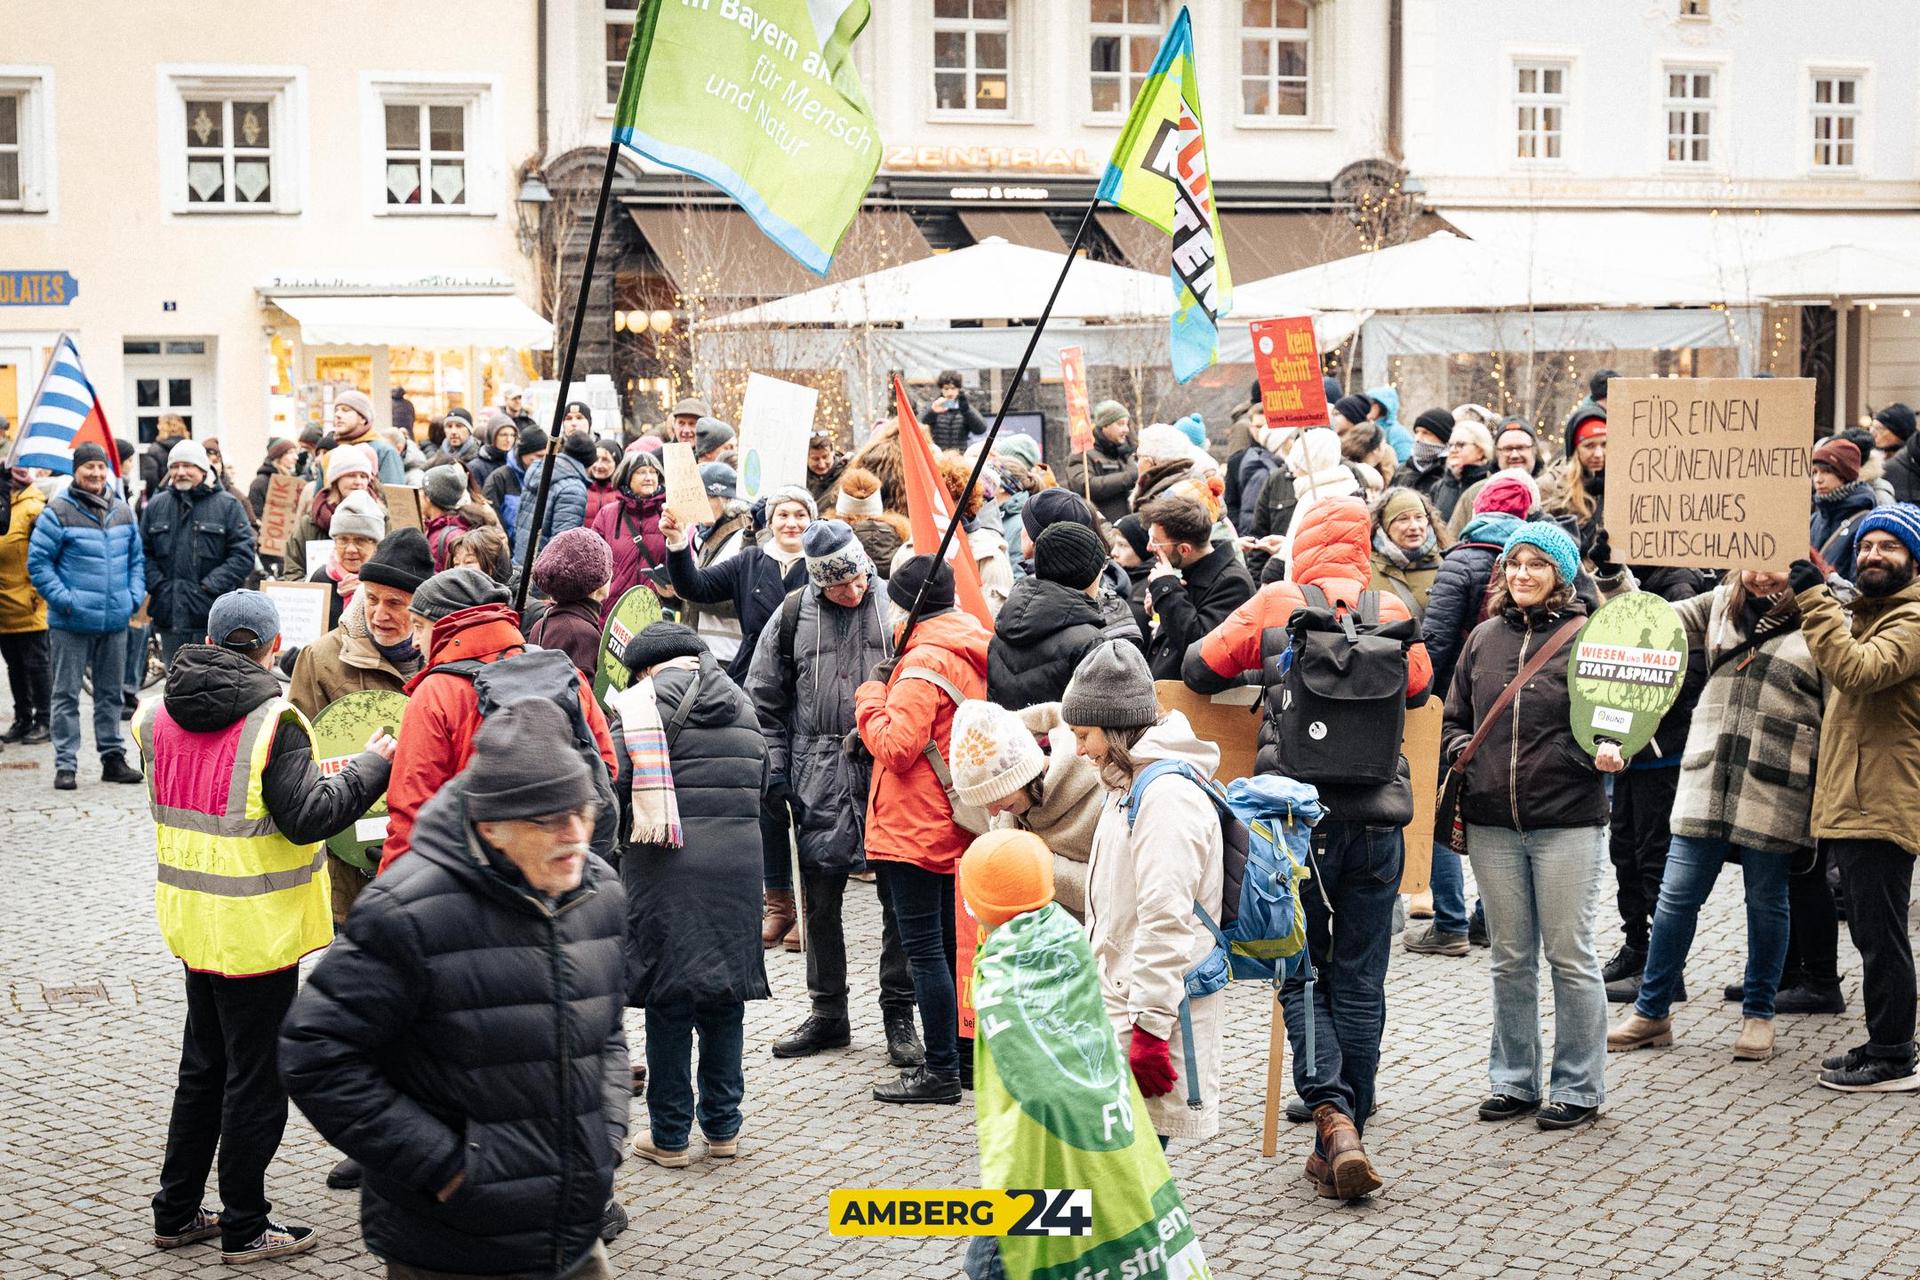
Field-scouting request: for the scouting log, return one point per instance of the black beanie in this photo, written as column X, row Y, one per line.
column 1051, row 506
column 1069, row 554
column 86, row 453
column 904, row 586
column 1134, row 530
column 516, row 770
column 532, row 440
column 402, row 561
column 1597, row 384
column 1353, row 408
column 662, row 642
column 1438, row 421
column 1898, row 419
column 579, row 446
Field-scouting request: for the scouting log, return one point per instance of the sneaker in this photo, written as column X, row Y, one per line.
column 1872, row 1075
column 813, row 1035
column 1565, row 1115
column 1503, row 1107
column 1627, row 962
column 613, row 1220
column 114, row 768
column 205, row 1226
column 666, row 1159
column 1811, row 997
column 1851, row 1058
column 1627, row 990
column 919, row 1086
column 903, row 1042
column 1477, row 931
column 65, row 780
column 724, row 1148
column 275, row 1242
column 346, row 1175
column 1427, row 940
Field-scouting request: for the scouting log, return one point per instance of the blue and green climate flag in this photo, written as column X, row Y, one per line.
column 761, row 100
column 1158, row 173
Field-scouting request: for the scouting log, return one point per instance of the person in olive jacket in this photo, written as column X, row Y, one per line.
column 463, row 1038
column 199, row 547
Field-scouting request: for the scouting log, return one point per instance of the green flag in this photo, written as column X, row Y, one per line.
column 1056, row 1106
column 761, row 100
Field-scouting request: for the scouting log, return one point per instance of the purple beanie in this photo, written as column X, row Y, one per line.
column 573, row 565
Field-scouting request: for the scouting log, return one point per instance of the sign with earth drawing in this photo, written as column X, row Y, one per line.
column 1625, row 671
column 636, row 610
column 340, row 733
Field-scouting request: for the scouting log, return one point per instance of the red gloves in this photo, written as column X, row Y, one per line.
column 1152, row 1063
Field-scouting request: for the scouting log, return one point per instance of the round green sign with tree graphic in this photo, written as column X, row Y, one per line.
column 637, row 610
column 1625, row 671
column 340, row 733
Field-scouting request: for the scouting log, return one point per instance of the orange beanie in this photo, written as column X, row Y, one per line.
column 1005, row 873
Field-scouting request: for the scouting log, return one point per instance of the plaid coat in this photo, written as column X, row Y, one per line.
column 1746, row 773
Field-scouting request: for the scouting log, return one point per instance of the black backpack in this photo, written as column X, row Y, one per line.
column 547, row 675
column 1336, row 682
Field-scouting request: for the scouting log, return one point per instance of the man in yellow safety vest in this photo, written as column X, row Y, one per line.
column 240, row 812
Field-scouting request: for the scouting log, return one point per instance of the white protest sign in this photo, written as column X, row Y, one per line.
column 319, row 553
column 303, row 610
column 776, row 420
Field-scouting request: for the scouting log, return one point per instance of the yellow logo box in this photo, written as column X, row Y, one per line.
column 961, row 1211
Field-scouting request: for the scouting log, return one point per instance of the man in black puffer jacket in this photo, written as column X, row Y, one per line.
column 1050, row 621
column 463, row 1039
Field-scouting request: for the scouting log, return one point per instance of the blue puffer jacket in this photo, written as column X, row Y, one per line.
column 566, row 505
column 87, row 563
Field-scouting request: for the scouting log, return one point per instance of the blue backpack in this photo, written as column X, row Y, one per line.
column 1265, row 826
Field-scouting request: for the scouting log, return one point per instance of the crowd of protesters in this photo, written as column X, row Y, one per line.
column 781, row 737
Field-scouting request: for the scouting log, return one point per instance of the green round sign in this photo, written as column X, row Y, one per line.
column 340, row 733
column 635, row 611
column 1625, row 671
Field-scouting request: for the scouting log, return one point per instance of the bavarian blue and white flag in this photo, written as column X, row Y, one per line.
column 64, row 414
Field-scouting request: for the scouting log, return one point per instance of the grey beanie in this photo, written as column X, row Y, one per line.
column 452, row 590
column 521, row 767
column 446, row 486
column 1113, row 689
column 358, row 514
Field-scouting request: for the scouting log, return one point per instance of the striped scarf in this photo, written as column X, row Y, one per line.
column 656, row 811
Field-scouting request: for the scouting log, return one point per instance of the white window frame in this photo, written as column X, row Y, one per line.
column 34, row 87
column 1540, row 100
column 477, row 95
column 1856, row 111
column 1319, row 69
column 1126, row 33
column 609, row 16
column 1714, row 105
column 283, row 88
column 1010, row 27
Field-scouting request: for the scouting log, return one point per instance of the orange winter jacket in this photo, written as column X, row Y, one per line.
column 1332, row 550
column 909, row 818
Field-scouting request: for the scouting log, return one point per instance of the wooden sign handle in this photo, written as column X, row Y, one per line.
column 1276, row 1079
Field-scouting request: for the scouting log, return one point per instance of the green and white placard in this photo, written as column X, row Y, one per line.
column 1625, row 671
column 635, row 611
column 340, row 733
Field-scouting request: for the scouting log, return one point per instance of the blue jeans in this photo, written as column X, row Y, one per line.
column 136, row 657
column 1448, row 882
column 670, row 1108
column 74, row 655
column 923, row 909
column 1692, row 867
column 170, row 642
column 1357, row 869
column 1541, row 889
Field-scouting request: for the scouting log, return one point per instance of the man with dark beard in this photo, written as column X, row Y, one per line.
column 1869, row 651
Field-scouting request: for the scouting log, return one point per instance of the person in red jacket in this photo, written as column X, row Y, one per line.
column 459, row 615
column 913, row 841
column 1357, row 854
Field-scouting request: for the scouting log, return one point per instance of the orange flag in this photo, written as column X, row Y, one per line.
column 928, row 510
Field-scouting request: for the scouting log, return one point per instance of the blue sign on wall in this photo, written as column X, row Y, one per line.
column 37, row 288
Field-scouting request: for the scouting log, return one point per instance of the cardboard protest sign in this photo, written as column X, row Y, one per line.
column 276, row 514
column 403, row 507
column 1286, row 359
column 634, row 612
column 1420, row 744
column 1625, row 671
column 340, row 733
column 776, row 420
column 1709, row 473
column 686, row 496
column 1073, row 380
column 303, row 609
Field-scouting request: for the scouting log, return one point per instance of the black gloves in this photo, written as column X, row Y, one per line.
column 1803, row 576
column 1601, row 553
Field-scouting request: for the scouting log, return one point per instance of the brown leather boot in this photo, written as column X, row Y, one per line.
column 777, row 917
column 1320, row 1176
column 1353, row 1177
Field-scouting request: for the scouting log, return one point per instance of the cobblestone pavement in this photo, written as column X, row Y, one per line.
column 1699, row 1167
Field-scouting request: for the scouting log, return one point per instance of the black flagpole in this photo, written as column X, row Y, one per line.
column 986, row 446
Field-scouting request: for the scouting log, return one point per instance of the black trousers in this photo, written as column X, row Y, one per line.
column 1642, row 830
column 1813, row 939
column 822, row 898
column 229, row 1097
column 1877, row 876
column 25, row 653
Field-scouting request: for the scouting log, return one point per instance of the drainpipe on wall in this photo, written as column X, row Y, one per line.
column 1394, row 92
column 540, row 76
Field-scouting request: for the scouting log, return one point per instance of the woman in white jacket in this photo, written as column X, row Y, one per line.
column 1142, row 883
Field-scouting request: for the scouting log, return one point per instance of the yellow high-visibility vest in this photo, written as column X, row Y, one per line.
column 234, row 897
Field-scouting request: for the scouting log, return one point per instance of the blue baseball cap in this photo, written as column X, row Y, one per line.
column 242, row 620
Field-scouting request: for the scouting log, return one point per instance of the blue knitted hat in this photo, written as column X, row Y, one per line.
column 1552, row 542
column 1902, row 520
